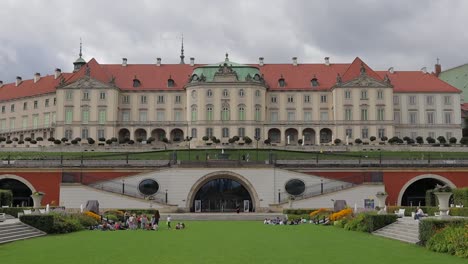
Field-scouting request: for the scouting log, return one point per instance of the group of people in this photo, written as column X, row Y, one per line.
column 134, row 222
column 279, row 221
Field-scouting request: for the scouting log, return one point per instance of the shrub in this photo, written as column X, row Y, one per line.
column 42, row 222
column 57, row 142
column 298, row 217
column 39, row 139
column 13, row 211
column 6, row 197
column 358, row 141
column 9, row 141
column 452, row 240
column 420, row 140
column 248, row 140
column 341, row 214
column 384, row 138
column 298, row 211
column 369, row 222
column 109, row 141
column 267, row 141
column 430, row 226
column 299, row 142
column 33, row 141
column 51, row 139
column 464, row 141
column 93, row 215
column 86, row 220
column 205, row 138
column 430, row 140
column 441, row 139
column 453, row 140
column 460, row 196
column 337, row 141
column 64, row 139
column 112, row 217
column 91, row 141
column 320, row 211
column 74, row 141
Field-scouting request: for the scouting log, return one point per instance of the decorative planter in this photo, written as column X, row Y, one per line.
column 37, row 199
column 381, row 199
column 443, row 198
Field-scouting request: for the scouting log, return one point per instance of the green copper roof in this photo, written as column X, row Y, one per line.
column 241, row 70
column 457, row 77
column 80, row 60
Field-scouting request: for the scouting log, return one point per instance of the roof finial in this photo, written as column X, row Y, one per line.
column 437, row 60
column 182, row 51
column 80, row 48
column 227, row 57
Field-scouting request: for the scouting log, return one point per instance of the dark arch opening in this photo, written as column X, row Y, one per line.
column 21, row 192
column 415, row 194
column 222, row 195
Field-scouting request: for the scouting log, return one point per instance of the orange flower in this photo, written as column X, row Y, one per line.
column 341, row 214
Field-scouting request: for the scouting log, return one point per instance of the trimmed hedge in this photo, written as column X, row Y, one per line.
column 298, row 211
column 59, row 223
column 460, row 196
column 41, row 222
column 6, row 197
column 369, row 222
column 428, row 227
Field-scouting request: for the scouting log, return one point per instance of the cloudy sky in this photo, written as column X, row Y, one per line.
column 39, row 36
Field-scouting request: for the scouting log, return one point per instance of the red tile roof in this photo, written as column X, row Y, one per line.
column 153, row 77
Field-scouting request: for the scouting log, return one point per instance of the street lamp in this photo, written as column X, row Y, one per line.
column 279, row 195
column 257, row 138
column 188, row 139
column 166, row 196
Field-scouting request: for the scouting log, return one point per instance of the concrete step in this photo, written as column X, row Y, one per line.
column 19, row 237
column 17, row 231
column 404, row 229
column 400, row 238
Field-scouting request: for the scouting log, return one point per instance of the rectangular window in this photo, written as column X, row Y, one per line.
column 84, row 133
column 178, row 99
column 381, row 114
column 349, row 132
column 225, row 132
column 68, row 116
column 258, row 115
column 12, row 108
column 448, row 117
column 430, row 117
column 143, row 99
column 381, row 132
column 12, row 123
column 69, row 95
column 323, row 116
column 25, row 106
column 46, row 103
column 126, row 115
column 54, row 117
column 291, row 116
column 125, row 99
column 447, row 100
column 194, row 133
column 35, row 104
column 177, row 116
column 413, row 118
column 102, row 96
column 85, row 116
column 24, row 122
column 194, row 114
column 35, row 121
column 143, row 116
column 257, row 132
column 3, row 124
column 412, row 100
column 55, row 101
column 160, row 116
column 397, row 117
column 46, row 119
column 430, row 100
column 68, row 134
column 348, row 114
column 273, row 99
column 274, row 116
column 85, row 95
column 365, row 133
column 3, row 109
column 290, row 99
column 431, row 134
column 323, row 98
column 380, row 94
column 241, row 131
column 347, row 94
column 102, row 116
column 160, row 99
column 364, row 95
column 209, row 113
column 209, row 132
column 101, row 133
column 396, row 100
column 306, row 98
column 363, row 114
column 449, row 135
column 307, row 116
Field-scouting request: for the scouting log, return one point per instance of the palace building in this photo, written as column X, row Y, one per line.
column 285, row 103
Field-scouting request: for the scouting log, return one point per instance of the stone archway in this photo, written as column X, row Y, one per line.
column 309, row 136
column 124, row 134
column 141, row 134
column 292, row 134
column 21, row 188
column 325, row 135
column 222, row 175
column 158, row 134
column 422, row 177
column 177, row 135
column 274, row 135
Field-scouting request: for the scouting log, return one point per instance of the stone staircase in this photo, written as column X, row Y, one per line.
column 12, row 229
column 405, row 229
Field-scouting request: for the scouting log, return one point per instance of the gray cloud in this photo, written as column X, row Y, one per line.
column 38, row 36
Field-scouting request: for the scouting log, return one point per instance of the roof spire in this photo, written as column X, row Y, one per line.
column 437, row 60
column 227, row 57
column 80, row 48
column 182, row 51
column 80, row 61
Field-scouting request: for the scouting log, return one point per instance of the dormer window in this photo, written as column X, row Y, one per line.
column 170, row 82
column 314, row 82
column 136, row 83
column 194, row 78
column 256, row 77
column 209, row 93
column 241, row 93
column 281, row 82
column 225, row 93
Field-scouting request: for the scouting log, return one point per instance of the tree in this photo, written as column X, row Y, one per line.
column 453, row 140
column 420, row 140
column 204, row 138
column 267, row 141
column 464, row 141
column 109, row 141
column 430, row 140
column 358, row 141
column 337, row 141
column 74, row 141
column 27, row 139
column 57, row 142
column 64, row 139
column 51, row 139
column 441, row 139
column 39, row 139
column 394, row 140
column 372, row 138
column 33, row 141
column 247, row 140
column 299, row 141
column 236, row 138
column 102, row 139
column 384, row 138
column 91, row 141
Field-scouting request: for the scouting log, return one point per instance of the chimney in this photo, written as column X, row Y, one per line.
column 1, row 84
column 424, row 70
column 18, row 80
column 391, row 70
column 37, row 76
column 192, row 61
column 294, row 59
column 124, row 62
column 57, row 73
column 438, row 68
column 327, row 61
column 158, row 61
column 260, row 61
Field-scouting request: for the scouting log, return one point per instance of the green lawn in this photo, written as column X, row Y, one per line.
column 221, row 242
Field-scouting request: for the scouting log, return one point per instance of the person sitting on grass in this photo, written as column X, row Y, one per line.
column 419, row 213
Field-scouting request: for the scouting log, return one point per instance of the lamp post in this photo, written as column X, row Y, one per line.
column 279, row 196
column 123, row 186
column 188, row 139
column 257, row 138
column 166, row 196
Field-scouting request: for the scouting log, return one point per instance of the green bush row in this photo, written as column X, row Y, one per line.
column 460, row 196
column 6, row 197
column 59, row 223
column 368, row 222
column 452, row 240
column 298, row 211
column 430, row 226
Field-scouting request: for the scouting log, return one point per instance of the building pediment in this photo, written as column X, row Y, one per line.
column 366, row 81
column 86, row 82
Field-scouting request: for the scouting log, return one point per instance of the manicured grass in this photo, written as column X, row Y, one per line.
column 221, row 243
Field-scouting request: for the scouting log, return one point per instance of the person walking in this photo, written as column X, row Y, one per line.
column 169, row 221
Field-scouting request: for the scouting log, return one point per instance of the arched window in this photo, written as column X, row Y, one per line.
column 225, row 112
column 194, row 94
column 257, row 77
column 209, row 93
column 194, row 133
column 257, row 93
column 194, row 113
column 194, row 78
column 136, row 83
column 209, row 112
column 258, row 113
column 281, row 82
column 241, row 112
column 241, row 93
column 225, row 93
column 170, row 82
